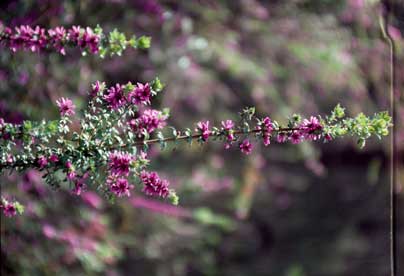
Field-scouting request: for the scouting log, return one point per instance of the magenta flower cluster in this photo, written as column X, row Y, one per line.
column 141, row 94
column 9, row 209
column 308, row 129
column 203, row 128
column 154, row 185
column 120, row 162
column 119, row 167
column 37, row 38
column 148, row 122
column 115, row 97
column 66, row 107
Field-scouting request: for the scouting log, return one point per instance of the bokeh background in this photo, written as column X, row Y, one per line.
column 312, row 209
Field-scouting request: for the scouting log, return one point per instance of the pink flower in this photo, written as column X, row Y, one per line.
column 96, row 88
column 203, row 127
column 71, row 175
column 42, row 162
column 246, row 147
column 267, row 124
column 9, row 210
column 119, row 162
column 267, row 128
column 228, row 124
column 119, row 185
column 266, row 139
column 115, row 97
column 311, row 129
column 296, row 137
column 282, row 137
column 148, row 122
column 56, row 37
column 141, row 94
column 74, row 33
column 153, row 185
column 54, row 158
column 90, row 40
column 66, row 107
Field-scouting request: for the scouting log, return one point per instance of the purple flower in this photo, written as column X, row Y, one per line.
column 141, row 94
column 57, row 37
column 296, row 137
column 54, row 158
column 74, row 33
column 119, row 185
column 282, row 137
column 267, row 124
column 66, row 107
column 154, row 185
column 148, row 122
column 90, row 40
column 71, row 175
column 9, row 210
column 203, row 127
column 42, row 162
column 96, row 88
column 228, row 124
column 119, row 162
column 267, row 128
column 311, row 129
column 27, row 38
column 246, row 147
column 115, row 97
column 328, row 137
column 266, row 139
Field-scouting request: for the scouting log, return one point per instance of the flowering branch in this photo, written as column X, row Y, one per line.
column 89, row 40
column 110, row 150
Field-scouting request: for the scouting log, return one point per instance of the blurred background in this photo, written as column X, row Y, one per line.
column 312, row 209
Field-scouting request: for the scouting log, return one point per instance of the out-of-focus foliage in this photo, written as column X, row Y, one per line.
column 284, row 210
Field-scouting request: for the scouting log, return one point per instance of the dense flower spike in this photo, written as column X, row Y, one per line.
column 115, row 97
column 119, row 185
column 66, row 107
column 89, row 40
column 141, row 94
column 119, row 163
column 154, row 185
